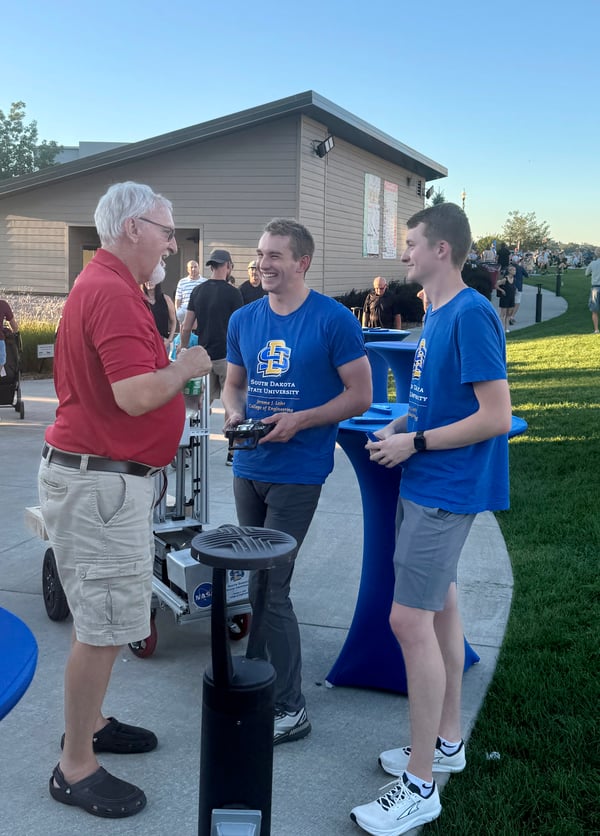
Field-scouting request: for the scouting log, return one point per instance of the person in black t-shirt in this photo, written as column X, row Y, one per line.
column 211, row 304
column 252, row 288
column 381, row 308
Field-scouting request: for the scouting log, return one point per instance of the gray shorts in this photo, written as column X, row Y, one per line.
column 594, row 301
column 428, row 545
column 100, row 528
column 218, row 373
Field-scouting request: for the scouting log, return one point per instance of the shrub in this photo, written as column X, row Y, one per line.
column 478, row 278
column 411, row 307
column 33, row 334
column 353, row 299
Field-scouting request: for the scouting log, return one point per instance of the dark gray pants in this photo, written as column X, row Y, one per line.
column 287, row 508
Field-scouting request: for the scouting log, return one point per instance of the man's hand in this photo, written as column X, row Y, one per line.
column 145, row 392
column 232, row 421
column 393, row 450
column 285, row 426
column 195, row 361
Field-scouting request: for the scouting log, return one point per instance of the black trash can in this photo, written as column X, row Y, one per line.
column 236, row 756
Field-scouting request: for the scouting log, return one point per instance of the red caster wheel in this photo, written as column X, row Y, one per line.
column 147, row 646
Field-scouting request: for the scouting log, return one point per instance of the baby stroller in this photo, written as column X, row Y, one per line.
column 10, row 385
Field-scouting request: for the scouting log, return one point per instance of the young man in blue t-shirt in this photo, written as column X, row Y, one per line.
column 296, row 361
column 453, row 448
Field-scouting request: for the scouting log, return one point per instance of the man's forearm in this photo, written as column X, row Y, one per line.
column 349, row 403
column 185, row 336
column 146, row 392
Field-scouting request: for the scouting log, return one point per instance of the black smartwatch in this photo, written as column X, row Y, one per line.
column 419, row 441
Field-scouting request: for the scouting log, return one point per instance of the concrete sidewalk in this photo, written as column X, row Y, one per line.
column 552, row 306
column 316, row 780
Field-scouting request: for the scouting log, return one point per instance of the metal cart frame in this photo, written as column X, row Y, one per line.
column 180, row 583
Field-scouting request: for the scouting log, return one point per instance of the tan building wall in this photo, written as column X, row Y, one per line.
column 223, row 191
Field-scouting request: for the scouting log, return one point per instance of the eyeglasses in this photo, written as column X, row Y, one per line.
column 168, row 230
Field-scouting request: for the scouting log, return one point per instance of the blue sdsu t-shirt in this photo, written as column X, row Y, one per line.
column 462, row 343
column 291, row 363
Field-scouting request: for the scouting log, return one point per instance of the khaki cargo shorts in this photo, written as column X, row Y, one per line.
column 100, row 528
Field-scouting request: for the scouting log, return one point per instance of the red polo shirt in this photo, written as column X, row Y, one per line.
column 107, row 333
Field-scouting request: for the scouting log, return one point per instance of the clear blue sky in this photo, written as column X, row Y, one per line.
column 504, row 95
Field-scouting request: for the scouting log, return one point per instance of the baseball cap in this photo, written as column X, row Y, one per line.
column 251, row 265
column 218, row 257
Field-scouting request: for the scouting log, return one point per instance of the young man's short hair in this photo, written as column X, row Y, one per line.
column 301, row 241
column 446, row 222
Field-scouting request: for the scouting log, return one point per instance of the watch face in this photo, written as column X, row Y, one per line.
column 420, row 443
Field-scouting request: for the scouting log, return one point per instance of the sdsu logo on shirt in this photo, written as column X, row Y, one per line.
column 420, row 355
column 274, row 359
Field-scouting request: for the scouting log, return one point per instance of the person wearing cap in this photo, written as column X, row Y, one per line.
column 252, row 288
column 210, row 306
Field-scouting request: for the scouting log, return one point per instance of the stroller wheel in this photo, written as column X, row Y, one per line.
column 55, row 599
column 21, row 409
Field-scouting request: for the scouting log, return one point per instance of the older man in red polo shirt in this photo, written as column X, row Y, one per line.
column 119, row 420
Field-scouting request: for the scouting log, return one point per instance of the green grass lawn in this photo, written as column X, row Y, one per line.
column 541, row 711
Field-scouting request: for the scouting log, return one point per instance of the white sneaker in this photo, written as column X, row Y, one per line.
column 290, row 726
column 395, row 761
column 400, row 809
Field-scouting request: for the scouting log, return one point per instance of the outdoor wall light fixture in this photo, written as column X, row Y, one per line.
column 323, row 148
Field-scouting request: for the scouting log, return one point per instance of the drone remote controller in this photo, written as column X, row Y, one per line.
column 247, row 434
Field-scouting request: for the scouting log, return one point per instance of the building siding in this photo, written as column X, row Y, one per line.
column 223, row 192
column 332, row 207
column 34, row 255
column 228, row 189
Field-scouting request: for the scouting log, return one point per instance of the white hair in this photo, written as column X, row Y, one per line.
column 122, row 201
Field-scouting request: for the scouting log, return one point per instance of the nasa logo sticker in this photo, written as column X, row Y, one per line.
column 203, row 595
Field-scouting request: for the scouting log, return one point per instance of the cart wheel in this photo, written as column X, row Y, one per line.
column 238, row 626
column 55, row 599
column 22, row 410
column 147, row 646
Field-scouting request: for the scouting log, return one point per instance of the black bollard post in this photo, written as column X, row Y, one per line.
column 538, row 304
column 236, row 757
column 558, row 281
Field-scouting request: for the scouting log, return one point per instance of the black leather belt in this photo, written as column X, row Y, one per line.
column 98, row 463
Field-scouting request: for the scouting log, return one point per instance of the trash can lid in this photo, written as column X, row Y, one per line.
column 243, row 547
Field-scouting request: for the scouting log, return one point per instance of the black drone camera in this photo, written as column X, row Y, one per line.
column 247, row 434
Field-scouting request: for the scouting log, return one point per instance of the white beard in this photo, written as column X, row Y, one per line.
column 157, row 275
